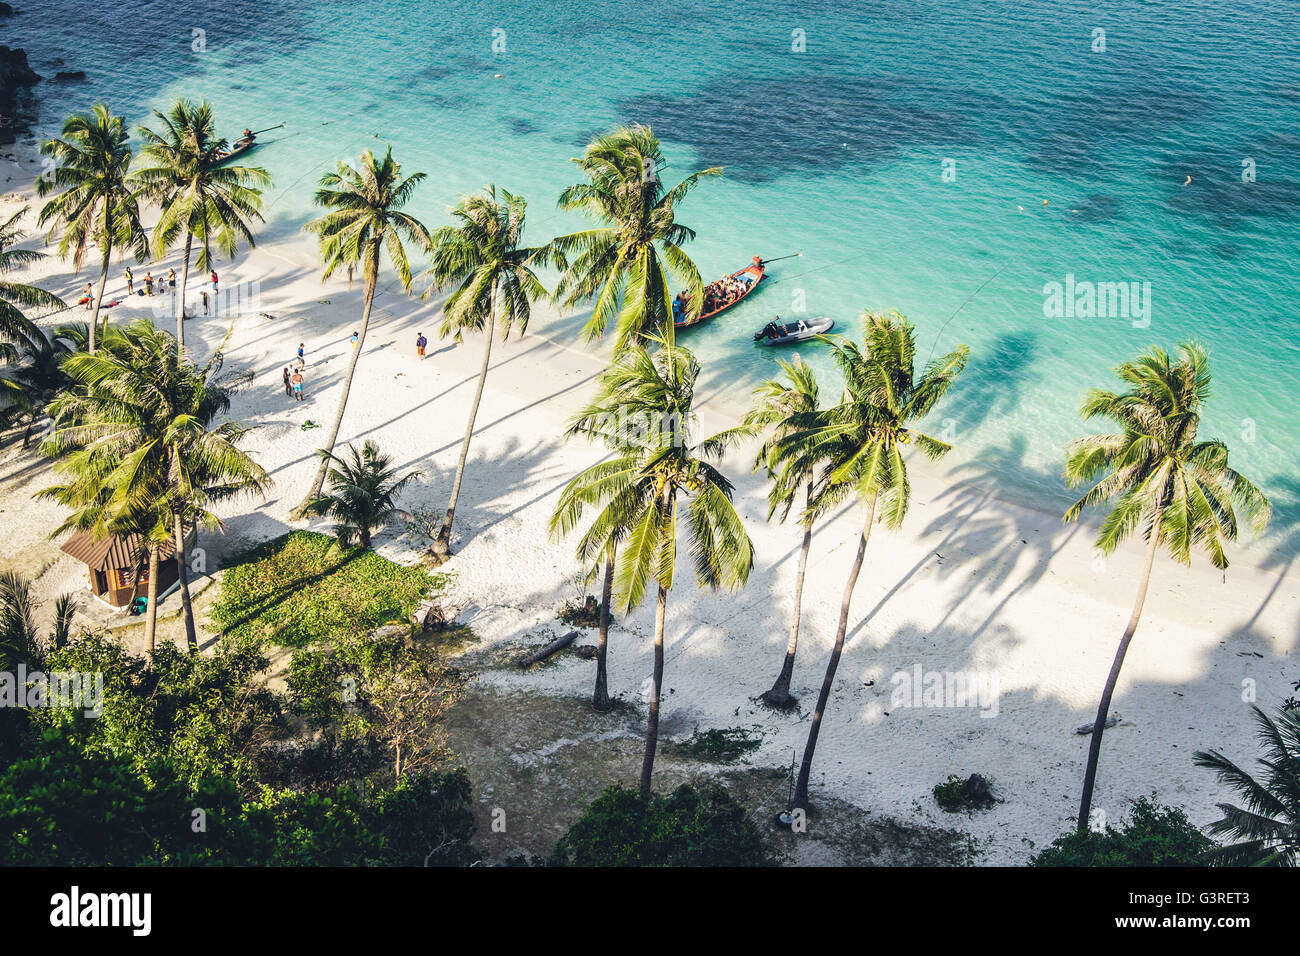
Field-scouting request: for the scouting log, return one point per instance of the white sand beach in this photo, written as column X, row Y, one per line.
column 972, row 583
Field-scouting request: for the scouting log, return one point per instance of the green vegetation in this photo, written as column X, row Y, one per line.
column 964, row 793
column 302, row 587
column 144, row 446
column 722, row 744
column 624, row 262
column 694, row 826
column 1151, row 836
column 94, row 202
column 376, row 691
column 65, row 807
column 362, row 496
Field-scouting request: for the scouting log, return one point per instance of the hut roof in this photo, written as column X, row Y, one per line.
column 113, row 551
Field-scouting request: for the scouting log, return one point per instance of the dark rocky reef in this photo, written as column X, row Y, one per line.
column 15, row 75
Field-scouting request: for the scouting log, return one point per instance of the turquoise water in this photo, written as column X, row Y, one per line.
column 838, row 151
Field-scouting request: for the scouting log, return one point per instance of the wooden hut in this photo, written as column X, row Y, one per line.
column 119, row 565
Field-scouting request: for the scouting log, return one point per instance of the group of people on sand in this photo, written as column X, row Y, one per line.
column 293, row 377
column 168, row 283
column 293, row 373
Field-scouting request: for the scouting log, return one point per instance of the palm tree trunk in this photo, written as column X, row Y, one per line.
column 1103, row 709
column 805, row 768
column 779, row 694
column 151, row 611
column 372, row 275
column 180, row 297
column 99, row 297
column 183, row 576
column 442, row 544
column 652, row 723
column 600, row 697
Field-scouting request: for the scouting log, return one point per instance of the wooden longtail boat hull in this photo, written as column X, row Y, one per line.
column 756, row 271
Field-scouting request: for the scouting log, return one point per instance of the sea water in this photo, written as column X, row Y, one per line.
column 965, row 163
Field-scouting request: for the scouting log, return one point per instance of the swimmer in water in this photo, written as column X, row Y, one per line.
column 1188, row 180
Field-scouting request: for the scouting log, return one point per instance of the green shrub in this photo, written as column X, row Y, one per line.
column 693, row 826
column 970, row 793
column 1152, row 836
column 722, row 744
column 302, row 588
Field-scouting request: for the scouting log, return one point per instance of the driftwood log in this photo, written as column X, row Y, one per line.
column 556, row 645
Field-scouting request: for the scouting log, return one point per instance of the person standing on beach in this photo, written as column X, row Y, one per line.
column 171, row 280
column 297, row 385
column 88, row 295
column 354, row 340
column 205, row 301
column 288, row 386
column 420, row 343
column 130, row 281
column 148, row 283
column 214, row 280
column 301, row 359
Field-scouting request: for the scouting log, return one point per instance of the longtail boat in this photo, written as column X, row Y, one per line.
column 751, row 275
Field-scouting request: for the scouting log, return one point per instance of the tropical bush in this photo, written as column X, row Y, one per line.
column 964, row 793
column 69, row 808
column 363, row 489
column 1151, row 836
column 693, row 826
column 381, row 692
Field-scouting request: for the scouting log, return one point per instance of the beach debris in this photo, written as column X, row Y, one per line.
column 430, row 615
column 1087, row 728
column 587, row 652
column 556, row 645
column 308, row 425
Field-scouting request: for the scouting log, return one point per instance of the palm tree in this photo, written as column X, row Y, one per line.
column 15, row 327
column 34, row 375
column 791, row 459
column 1268, row 826
column 644, row 408
column 137, row 437
column 861, row 440
column 495, row 284
column 363, row 218
column 624, row 263
column 596, row 487
column 200, row 197
column 95, row 202
column 362, row 495
column 1175, row 489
